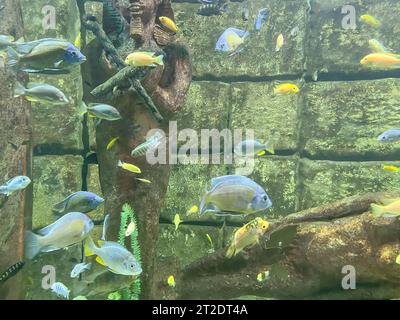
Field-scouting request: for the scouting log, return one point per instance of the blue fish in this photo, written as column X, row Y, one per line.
column 390, row 136
column 222, row 43
column 81, row 201
column 261, row 17
column 234, row 195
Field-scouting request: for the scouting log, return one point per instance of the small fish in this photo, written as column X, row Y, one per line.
column 286, row 88
column 390, row 135
column 78, row 41
column 113, row 256
column 247, row 236
column 245, row 13
column 398, row 259
column 211, row 9
column 315, row 75
column 70, row 229
column 381, row 60
column 280, row 41
column 234, row 195
column 60, row 290
column 209, row 240
column 143, row 180
column 192, row 210
column 262, row 17
column 112, row 143
column 80, row 298
column 129, row 167
column 294, row 32
column 11, row 271
column 391, row 168
column 101, row 111
column 144, row 59
column 252, row 148
column 80, row 268
column 390, row 208
column 106, row 223
column 377, row 47
column 171, row 281
column 150, row 144
column 41, row 92
column 169, row 24
column 231, row 39
column 262, row 276
column 81, row 201
column 15, row 184
column 372, row 21
column 131, row 228
column 177, row 221
column 46, row 56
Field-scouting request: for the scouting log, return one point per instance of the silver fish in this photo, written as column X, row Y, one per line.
column 60, row 290
column 80, row 268
column 151, row 143
column 15, row 184
column 101, row 111
column 70, row 229
column 41, row 92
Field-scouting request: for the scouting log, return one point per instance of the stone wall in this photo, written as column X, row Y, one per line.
column 325, row 137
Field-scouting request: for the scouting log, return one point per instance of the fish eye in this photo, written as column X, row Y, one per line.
column 265, row 198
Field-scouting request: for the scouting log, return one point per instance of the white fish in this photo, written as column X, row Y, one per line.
column 130, row 229
column 105, row 227
column 80, row 268
column 15, row 184
column 60, row 290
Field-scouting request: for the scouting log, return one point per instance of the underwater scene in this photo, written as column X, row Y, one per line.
column 199, row 149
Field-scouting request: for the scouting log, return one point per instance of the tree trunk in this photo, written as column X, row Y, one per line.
column 316, row 245
column 15, row 159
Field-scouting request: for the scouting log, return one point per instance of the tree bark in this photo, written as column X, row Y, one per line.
column 309, row 262
column 15, row 159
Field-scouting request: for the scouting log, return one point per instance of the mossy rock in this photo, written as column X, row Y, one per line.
column 272, row 117
column 334, row 49
column 343, row 119
column 323, row 182
column 54, row 178
column 202, row 32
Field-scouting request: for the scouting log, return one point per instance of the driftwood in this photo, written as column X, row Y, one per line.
column 315, row 246
column 166, row 88
column 15, row 159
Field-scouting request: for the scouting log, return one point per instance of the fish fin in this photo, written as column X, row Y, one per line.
column 58, row 64
column 19, row 89
column 97, row 122
column 160, row 60
column 13, row 58
column 120, row 164
column 231, row 251
column 89, row 247
column 377, row 210
column 20, row 40
column 59, row 207
column 100, row 261
column 32, row 244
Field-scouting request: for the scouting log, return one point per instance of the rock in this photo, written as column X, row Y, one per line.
column 334, row 49
column 273, row 117
column 342, row 120
column 54, row 178
column 201, row 34
column 322, row 182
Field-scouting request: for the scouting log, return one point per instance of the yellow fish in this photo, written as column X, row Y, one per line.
column 129, row 167
column 78, row 40
column 279, row 42
column 112, row 143
column 390, row 208
column 171, row 281
column 391, row 168
column 247, row 236
column 377, row 47
column 286, row 88
column 177, row 221
column 398, row 259
column 372, row 21
column 144, row 59
column 381, row 60
column 144, row 180
column 262, row 276
column 169, row 24
column 193, row 210
column 233, row 41
column 131, row 228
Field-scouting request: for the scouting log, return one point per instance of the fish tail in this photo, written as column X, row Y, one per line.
column 160, row 60
column 230, row 252
column 3, row 190
column 32, row 244
column 13, row 58
column 90, row 247
column 19, row 89
column 120, row 164
column 377, row 210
